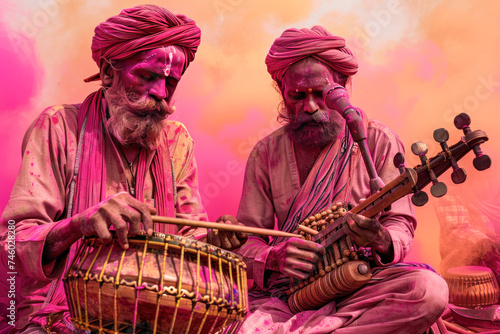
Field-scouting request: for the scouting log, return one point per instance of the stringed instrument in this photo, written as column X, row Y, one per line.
column 343, row 268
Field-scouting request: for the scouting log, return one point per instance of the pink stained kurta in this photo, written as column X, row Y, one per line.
column 271, row 183
column 41, row 196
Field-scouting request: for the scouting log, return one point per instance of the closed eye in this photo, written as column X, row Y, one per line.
column 149, row 76
column 171, row 81
column 297, row 95
column 146, row 75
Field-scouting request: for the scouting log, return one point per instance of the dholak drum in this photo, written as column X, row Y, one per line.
column 472, row 286
column 163, row 284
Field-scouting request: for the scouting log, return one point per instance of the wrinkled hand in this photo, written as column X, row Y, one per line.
column 295, row 258
column 366, row 231
column 122, row 212
column 226, row 239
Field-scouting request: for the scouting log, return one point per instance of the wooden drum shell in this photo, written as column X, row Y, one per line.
column 164, row 284
column 472, row 286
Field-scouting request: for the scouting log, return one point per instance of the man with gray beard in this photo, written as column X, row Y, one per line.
column 105, row 164
column 306, row 167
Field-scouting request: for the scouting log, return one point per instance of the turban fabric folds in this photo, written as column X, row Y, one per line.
column 296, row 44
column 142, row 28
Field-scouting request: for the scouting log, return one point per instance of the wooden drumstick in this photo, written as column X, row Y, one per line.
column 222, row 226
column 307, row 230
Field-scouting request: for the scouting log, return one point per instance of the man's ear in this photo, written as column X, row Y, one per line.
column 106, row 73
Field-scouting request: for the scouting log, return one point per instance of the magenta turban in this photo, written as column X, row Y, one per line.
column 294, row 45
column 142, row 28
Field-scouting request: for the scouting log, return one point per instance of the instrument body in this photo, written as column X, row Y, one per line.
column 163, row 284
column 309, row 294
column 341, row 270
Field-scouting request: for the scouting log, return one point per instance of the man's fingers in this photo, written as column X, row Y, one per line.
column 349, row 229
column 299, row 256
column 213, row 238
column 209, row 235
column 242, row 236
column 309, row 257
column 306, row 245
column 234, row 240
column 144, row 211
column 133, row 218
column 298, row 268
column 228, row 240
column 363, row 222
column 354, row 227
column 104, row 235
column 225, row 243
column 227, row 219
column 121, row 229
column 362, row 237
column 295, row 273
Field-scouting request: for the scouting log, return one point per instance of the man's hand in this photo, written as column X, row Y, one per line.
column 226, row 239
column 295, row 258
column 121, row 211
column 366, row 231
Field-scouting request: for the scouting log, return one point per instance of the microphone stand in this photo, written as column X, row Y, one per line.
column 336, row 97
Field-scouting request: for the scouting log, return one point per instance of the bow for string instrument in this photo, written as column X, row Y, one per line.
column 343, row 268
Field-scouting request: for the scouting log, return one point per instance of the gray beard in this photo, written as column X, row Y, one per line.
column 134, row 122
column 316, row 129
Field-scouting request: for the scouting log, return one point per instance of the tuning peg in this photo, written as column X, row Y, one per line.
column 481, row 161
column 458, row 175
column 419, row 198
column 438, row 189
column 419, row 149
column 399, row 162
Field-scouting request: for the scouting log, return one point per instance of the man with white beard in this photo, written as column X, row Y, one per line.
column 105, row 164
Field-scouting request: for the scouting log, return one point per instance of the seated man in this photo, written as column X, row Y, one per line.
column 302, row 169
column 105, row 163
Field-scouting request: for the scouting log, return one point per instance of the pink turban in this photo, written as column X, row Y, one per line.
column 294, row 45
column 142, row 28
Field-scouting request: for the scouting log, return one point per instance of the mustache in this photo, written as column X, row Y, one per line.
column 320, row 116
column 146, row 106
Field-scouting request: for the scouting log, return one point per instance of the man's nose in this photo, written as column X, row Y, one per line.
column 310, row 105
column 158, row 90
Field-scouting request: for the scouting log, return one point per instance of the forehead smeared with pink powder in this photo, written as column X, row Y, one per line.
column 164, row 61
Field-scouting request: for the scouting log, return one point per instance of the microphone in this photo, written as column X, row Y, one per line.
column 336, row 98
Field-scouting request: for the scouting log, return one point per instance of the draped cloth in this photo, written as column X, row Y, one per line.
column 91, row 176
column 143, row 28
column 328, row 182
column 296, row 44
column 325, row 184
